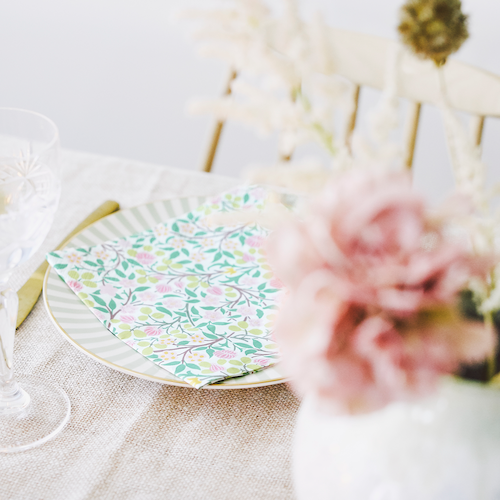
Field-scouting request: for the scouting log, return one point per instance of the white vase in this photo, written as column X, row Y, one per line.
column 446, row 447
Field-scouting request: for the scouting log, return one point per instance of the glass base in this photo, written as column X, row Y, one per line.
column 45, row 413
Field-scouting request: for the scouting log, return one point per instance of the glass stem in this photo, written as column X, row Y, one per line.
column 8, row 314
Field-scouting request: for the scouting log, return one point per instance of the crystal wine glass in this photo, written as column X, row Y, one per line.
column 32, row 411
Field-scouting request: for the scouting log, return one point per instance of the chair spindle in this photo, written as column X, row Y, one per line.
column 410, row 132
column 213, row 142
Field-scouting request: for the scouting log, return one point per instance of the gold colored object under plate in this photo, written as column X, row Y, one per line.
column 31, row 290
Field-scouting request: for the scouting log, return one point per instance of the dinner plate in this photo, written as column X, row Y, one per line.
column 80, row 327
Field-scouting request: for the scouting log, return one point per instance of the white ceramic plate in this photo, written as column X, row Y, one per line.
column 80, row 327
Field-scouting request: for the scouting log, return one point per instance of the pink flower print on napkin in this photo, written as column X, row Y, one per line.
column 173, row 303
column 211, row 300
column 261, row 361
column 109, row 290
column 74, row 258
column 215, row 290
column 101, row 254
column 152, row 331
column 254, row 321
column 225, row 354
column 216, row 368
column 231, row 245
column 145, row 258
column 163, row 288
column 248, row 280
column 212, row 315
column 148, row 297
column 178, row 243
column 126, row 283
column 187, row 228
column 246, row 310
column 248, row 258
column 198, row 256
column 99, row 314
column 160, row 230
column 255, row 241
column 129, row 309
column 75, row 286
column 127, row 319
column 124, row 243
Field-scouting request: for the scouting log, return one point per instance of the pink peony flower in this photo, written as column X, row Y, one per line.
column 255, row 241
column 163, row 288
column 152, row 331
column 367, row 230
column 215, row 290
column 145, row 258
column 373, row 280
column 226, row 354
column 75, row 286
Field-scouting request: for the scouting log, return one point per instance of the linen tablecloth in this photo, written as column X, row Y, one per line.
column 129, row 438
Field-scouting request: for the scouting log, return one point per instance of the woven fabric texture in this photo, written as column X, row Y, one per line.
column 129, row 438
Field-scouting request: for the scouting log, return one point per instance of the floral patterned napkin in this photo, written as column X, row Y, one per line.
column 196, row 300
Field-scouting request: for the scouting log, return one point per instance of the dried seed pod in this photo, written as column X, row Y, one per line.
column 433, row 29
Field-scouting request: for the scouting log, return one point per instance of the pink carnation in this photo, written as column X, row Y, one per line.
column 75, row 286
column 226, row 354
column 145, row 258
column 216, row 368
column 163, row 288
column 261, row 361
column 127, row 319
column 152, row 331
column 373, row 281
column 215, row 290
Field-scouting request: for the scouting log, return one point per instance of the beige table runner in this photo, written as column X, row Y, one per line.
column 129, row 438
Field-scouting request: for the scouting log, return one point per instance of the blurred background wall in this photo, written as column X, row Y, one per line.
column 116, row 75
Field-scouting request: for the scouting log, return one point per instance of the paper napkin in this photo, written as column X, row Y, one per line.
column 196, row 300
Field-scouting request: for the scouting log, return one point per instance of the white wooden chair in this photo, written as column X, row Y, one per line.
column 362, row 59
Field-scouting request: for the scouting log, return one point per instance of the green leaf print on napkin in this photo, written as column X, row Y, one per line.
column 197, row 300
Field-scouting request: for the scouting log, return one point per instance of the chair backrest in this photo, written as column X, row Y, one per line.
column 362, row 59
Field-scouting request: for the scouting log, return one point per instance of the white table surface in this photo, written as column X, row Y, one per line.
column 129, row 438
